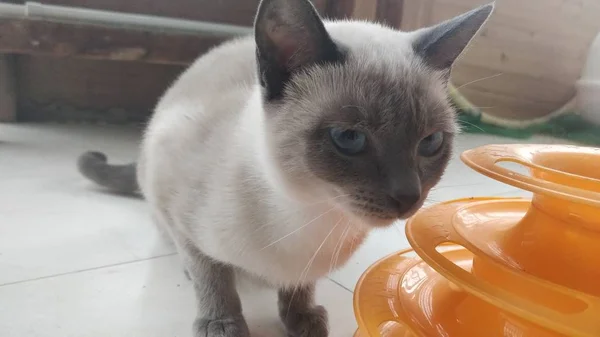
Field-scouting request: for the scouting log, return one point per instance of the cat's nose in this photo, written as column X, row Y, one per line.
column 405, row 200
column 405, row 193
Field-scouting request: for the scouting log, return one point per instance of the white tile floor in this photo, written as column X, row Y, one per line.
column 75, row 261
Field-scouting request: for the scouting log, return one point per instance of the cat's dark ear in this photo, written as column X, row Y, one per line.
column 442, row 44
column 289, row 36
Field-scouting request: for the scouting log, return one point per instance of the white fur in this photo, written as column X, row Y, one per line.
column 209, row 127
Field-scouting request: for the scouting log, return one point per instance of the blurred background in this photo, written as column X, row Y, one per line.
column 60, row 64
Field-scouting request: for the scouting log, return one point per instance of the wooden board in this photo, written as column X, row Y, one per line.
column 101, row 43
column 112, row 43
column 61, row 89
column 390, row 12
column 538, row 46
column 67, row 72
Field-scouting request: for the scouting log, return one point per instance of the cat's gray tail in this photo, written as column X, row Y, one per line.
column 117, row 178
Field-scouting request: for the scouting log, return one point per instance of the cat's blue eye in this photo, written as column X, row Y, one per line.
column 348, row 142
column 431, row 144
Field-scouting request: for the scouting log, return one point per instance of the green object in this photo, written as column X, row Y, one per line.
column 563, row 124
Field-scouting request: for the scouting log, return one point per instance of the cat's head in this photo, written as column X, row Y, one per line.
column 358, row 113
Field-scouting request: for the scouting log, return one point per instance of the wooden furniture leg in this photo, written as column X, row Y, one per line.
column 8, row 90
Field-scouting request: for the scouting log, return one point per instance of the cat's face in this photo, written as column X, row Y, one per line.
column 367, row 125
column 376, row 139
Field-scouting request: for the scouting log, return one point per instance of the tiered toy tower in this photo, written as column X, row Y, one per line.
column 495, row 267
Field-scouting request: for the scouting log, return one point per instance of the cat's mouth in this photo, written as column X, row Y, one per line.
column 380, row 214
column 384, row 218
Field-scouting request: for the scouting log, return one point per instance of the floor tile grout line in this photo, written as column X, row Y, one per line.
column 86, row 270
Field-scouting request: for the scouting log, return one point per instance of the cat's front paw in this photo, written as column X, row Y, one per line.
column 230, row 327
column 310, row 323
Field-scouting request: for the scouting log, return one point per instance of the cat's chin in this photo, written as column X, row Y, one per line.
column 377, row 222
column 367, row 222
column 371, row 221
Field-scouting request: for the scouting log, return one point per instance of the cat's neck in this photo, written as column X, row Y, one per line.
column 253, row 141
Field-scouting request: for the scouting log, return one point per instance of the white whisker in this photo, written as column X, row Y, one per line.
column 341, row 246
column 306, row 269
column 302, row 209
column 310, row 262
column 473, row 125
column 397, row 226
column 479, row 80
column 298, row 229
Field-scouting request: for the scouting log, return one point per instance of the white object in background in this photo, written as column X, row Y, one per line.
column 588, row 87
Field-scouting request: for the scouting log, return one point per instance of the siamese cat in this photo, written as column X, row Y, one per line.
column 273, row 156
